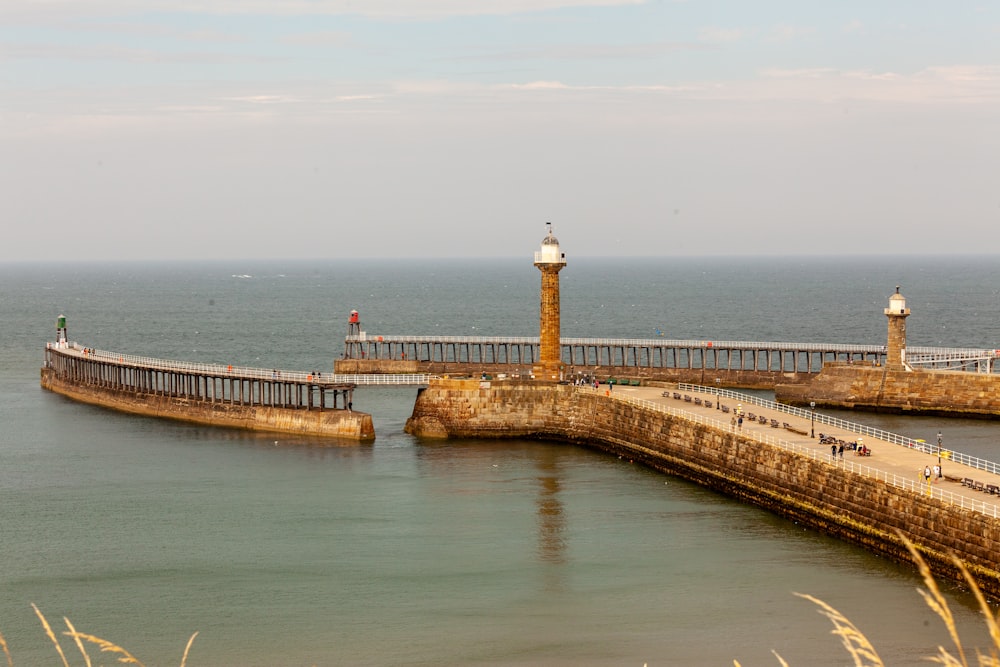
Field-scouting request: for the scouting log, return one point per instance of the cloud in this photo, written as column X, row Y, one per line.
column 323, row 38
column 854, row 26
column 718, row 35
column 541, row 85
column 385, row 9
column 787, row 31
column 979, row 84
column 587, row 52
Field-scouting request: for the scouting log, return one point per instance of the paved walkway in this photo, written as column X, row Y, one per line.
column 897, row 460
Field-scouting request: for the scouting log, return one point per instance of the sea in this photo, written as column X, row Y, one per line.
column 279, row 550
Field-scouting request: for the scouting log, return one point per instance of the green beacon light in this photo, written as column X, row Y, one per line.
column 61, row 329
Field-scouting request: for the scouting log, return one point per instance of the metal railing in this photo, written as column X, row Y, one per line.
column 216, row 370
column 386, row 379
column 898, row 481
column 616, row 342
column 921, row 354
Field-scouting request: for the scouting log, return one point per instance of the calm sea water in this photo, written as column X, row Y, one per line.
column 283, row 551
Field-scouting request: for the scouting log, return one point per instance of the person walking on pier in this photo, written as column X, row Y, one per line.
column 833, row 452
column 927, row 474
column 841, row 450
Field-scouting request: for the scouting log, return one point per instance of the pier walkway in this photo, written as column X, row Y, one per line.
column 654, row 353
column 968, row 482
column 206, row 383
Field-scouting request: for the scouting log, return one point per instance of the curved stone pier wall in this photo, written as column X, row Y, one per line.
column 855, row 508
column 332, row 423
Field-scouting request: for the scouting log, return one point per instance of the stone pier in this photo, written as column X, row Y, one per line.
column 811, row 490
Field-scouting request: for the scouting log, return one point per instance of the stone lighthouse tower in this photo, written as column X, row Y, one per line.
column 897, row 312
column 549, row 261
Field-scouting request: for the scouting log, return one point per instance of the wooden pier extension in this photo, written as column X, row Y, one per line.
column 735, row 363
column 220, row 395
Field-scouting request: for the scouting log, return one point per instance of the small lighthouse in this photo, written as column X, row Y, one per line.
column 895, row 351
column 61, row 337
column 549, row 260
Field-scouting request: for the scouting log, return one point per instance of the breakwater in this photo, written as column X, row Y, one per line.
column 212, row 394
column 864, row 509
column 916, row 391
column 735, row 363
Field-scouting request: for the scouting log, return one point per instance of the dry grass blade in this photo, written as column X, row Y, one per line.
column 935, row 600
column 854, row 640
column 984, row 607
column 76, row 638
column 6, row 651
column 109, row 647
column 187, row 649
column 48, row 631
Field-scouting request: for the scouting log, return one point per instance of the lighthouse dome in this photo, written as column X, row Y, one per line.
column 550, row 252
column 897, row 302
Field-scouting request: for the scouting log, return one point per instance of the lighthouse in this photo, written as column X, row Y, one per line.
column 895, row 351
column 549, row 260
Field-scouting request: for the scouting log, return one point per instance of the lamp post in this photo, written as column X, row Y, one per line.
column 940, row 472
column 812, row 419
column 718, row 384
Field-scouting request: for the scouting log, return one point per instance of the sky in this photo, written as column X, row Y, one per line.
column 325, row 129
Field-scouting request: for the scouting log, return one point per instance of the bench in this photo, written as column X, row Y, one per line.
column 762, row 419
column 665, row 394
column 697, row 401
column 992, row 489
column 708, row 404
column 687, row 398
column 677, row 395
column 725, row 408
column 774, row 423
column 751, row 416
column 789, row 427
column 967, row 481
column 979, row 486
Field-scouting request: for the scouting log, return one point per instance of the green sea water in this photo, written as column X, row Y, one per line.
column 285, row 551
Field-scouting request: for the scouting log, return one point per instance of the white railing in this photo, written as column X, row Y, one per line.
column 245, row 372
column 615, row 342
column 387, row 379
column 216, row 370
column 851, row 427
column 893, row 479
column 913, row 353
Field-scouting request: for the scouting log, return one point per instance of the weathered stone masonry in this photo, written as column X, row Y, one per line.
column 855, row 508
column 328, row 423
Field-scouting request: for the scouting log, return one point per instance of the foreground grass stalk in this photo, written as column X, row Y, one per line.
column 79, row 644
column 6, row 651
column 120, row 653
column 861, row 650
column 48, row 631
column 864, row 654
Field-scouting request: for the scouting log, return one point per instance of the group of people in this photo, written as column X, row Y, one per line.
column 837, row 450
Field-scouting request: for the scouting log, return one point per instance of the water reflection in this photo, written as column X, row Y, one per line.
column 551, row 519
